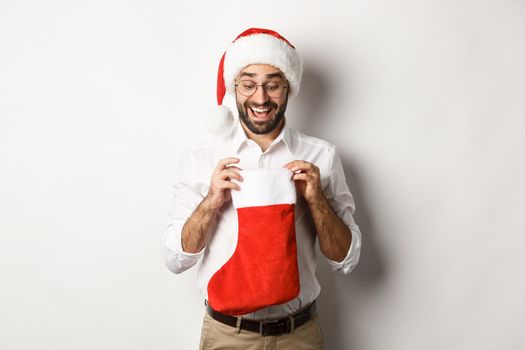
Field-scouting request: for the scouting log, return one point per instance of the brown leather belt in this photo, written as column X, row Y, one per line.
column 266, row 327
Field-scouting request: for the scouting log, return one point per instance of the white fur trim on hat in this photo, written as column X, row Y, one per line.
column 263, row 49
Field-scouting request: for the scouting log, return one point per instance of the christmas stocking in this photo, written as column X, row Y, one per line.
column 263, row 269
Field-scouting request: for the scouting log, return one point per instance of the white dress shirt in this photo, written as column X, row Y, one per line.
column 191, row 185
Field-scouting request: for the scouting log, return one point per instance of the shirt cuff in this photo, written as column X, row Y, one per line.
column 352, row 258
column 177, row 242
column 188, row 254
column 176, row 259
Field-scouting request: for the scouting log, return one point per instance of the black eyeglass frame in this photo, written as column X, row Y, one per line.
column 285, row 86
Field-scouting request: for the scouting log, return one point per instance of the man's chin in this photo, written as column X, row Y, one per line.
column 261, row 124
column 259, row 128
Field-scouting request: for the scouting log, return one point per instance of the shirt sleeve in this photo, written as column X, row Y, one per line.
column 342, row 203
column 186, row 196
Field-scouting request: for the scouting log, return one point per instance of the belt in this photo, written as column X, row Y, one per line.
column 266, row 327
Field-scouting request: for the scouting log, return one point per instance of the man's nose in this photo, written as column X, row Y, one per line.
column 260, row 95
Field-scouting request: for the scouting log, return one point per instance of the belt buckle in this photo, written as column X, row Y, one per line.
column 264, row 332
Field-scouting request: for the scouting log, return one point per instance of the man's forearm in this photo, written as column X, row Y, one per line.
column 334, row 236
column 197, row 228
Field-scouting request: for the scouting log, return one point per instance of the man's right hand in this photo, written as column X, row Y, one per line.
column 221, row 184
column 196, row 229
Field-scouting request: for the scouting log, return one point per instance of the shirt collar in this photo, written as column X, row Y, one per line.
column 239, row 137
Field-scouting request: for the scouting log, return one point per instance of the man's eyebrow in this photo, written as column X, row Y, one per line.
column 246, row 74
column 271, row 75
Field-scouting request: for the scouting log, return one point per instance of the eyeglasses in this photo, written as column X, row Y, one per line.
column 272, row 89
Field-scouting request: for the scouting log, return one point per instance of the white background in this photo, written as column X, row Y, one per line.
column 426, row 99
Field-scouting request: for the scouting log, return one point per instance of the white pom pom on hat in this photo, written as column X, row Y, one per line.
column 253, row 46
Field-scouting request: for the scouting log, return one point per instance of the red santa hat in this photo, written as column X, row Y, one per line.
column 253, row 46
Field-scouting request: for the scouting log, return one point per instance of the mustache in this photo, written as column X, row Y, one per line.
column 268, row 104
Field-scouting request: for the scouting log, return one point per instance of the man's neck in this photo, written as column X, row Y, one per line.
column 263, row 140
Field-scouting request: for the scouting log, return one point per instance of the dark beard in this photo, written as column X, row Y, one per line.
column 262, row 128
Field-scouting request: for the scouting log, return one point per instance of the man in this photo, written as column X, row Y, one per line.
column 260, row 296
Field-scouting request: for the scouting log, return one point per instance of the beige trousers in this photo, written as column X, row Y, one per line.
column 218, row 336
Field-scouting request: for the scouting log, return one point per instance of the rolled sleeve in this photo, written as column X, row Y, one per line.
column 175, row 258
column 185, row 198
column 342, row 203
column 352, row 258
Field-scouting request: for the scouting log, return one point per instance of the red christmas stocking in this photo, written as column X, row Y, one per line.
column 263, row 269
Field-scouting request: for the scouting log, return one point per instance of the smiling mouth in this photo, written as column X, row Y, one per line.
column 261, row 113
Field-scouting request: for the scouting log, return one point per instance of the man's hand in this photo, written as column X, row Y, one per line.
column 334, row 236
column 307, row 180
column 196, row 229
column 221, row 184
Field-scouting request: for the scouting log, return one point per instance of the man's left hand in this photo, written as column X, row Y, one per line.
column 307, row 179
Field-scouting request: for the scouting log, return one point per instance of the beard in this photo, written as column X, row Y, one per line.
column 265, row 127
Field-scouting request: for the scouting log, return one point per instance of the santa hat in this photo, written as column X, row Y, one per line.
column 253, row 46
